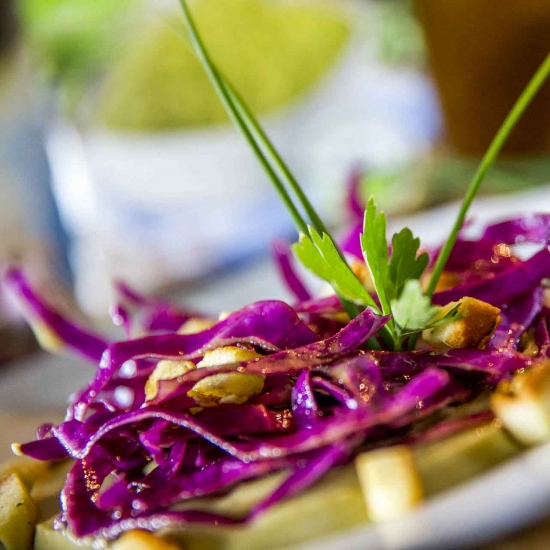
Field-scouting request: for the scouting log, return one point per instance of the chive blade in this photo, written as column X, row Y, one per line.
column 254, row 127
column 276, row 159
column 284, row 171
column 235, row 116
column 259, row 142
column 489, row 158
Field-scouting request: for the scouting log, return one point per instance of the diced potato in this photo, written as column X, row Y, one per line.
column 142, row 540
column 165, row 370
column 226, row 355
column 226, row 388
column 196, row 324
column 48, row 538
column 17, row 514
column 28, row 469
column 390, row 481
column 475, row 323
column 43, row 480
column 523, row 404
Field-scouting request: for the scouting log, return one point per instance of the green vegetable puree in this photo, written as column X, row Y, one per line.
column 271, row 51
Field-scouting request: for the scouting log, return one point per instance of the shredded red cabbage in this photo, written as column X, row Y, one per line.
column 325, row 396
column 84, row 342
column 355, row 205
column 282, row 254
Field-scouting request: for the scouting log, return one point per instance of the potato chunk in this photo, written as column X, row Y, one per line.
column 475, row 323
column 18, row 514
column 390, row 481
column 523, row 404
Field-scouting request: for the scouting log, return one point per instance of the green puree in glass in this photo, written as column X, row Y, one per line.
column 271, row 51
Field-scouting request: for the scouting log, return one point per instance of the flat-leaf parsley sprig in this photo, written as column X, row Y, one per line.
column 391, row 275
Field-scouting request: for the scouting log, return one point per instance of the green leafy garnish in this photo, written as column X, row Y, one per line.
column 375, row 251
column 405, row 263
column 391, row 275
column 413, row 310
column 320, row 255
column 395, row 278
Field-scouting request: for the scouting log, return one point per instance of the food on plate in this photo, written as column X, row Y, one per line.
column 523, row 404
column 390, row 482
column 214, row 437
column 475, row 322
column 292, row 415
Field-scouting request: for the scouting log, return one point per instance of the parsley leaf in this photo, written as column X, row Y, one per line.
column 389, row 275
column 319, row 254
column 396, row 277
column 413, row 310
column 405, row 265
column 375, row 251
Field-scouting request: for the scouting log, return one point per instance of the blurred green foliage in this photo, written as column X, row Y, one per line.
column 73, row 39
column 271, row 52
column 128, row 58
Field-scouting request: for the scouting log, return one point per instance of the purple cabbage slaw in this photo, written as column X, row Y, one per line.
column 325, row 396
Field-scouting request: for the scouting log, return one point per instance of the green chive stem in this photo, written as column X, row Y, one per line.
column 250, row 120
column 246, row 122
column 224, row 95
column 499, row 140
column 284, row 171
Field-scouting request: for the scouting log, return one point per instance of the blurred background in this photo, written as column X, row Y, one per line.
column 118, row 162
